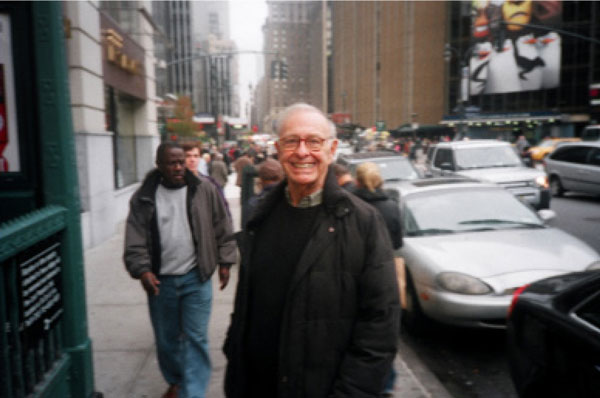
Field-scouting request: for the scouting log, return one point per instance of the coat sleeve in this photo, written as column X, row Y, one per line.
column 137, row 256
column 372, row 349
column 223, row 231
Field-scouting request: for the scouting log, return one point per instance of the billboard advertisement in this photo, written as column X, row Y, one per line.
column 514, row 47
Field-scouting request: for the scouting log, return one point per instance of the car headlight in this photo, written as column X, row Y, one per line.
column 542, row 181
column 594, row 266
column 463, row 284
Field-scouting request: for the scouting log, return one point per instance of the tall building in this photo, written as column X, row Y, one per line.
column 535, row 79
column 475, row 71
column 175, row 76
column 216, row 71
column 295, row 57
column 113, row 105
column 388, row 61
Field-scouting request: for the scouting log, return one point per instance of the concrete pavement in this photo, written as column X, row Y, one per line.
column 125, row 364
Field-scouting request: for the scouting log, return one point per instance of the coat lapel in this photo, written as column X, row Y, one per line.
column 322, row 237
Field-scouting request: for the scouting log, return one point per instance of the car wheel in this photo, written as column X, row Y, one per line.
column 413, row 320
column 556, row 186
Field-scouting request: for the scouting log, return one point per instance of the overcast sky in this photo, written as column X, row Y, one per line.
column 246, row 20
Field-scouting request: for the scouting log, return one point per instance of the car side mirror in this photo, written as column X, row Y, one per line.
column 546, row 214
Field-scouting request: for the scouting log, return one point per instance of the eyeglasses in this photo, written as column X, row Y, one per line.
column 312, row 143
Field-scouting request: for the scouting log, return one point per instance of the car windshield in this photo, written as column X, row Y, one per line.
column 397, row 169
column 485, row 157
column 393, row 169
column 466, row 210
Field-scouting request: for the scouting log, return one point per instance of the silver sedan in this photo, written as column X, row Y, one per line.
column 468, row 246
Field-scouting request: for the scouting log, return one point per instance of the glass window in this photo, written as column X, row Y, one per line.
column 474, row 158
column 590, row 311
column 594, row 158
column 10, row 160
column 120, row 111
column 572, row 154
column 443, row 156
column 465, row 210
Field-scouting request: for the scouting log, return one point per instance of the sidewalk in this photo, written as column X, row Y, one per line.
column 125, row 363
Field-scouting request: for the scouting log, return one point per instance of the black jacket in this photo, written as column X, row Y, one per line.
column 341, row 315
column 388, row 208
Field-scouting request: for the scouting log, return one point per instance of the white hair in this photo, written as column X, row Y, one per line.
column 302, row 107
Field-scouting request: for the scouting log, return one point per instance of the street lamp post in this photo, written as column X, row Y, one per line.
column 463, row 63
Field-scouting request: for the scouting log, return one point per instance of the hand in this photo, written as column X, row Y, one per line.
column 150, row 283
column 223, row 276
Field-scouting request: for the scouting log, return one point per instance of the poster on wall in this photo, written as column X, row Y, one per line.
column 9, row 137
column 514, row 47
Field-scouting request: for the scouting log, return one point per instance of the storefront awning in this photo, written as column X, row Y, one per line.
column 508, row 118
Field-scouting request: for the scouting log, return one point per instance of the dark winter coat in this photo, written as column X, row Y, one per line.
column 209, row 221
column 341, row 314
column 388, row 208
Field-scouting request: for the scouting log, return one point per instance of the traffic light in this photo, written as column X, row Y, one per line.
column 275, row 69
column 283, row 70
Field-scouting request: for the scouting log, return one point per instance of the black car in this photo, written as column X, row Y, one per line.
column 553, row 336
column 392, row 165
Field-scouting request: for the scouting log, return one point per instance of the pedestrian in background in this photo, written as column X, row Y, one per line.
column 177, row 231
column 369, row 188
column 192, row 157
column 344, row 178
column 270, row 173
column 316, row 312
column 241, row 162
column 218, row 171
column 369, row 183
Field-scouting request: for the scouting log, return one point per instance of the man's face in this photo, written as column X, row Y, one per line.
column 172, row 166
column 192, row 158
column 305, row 168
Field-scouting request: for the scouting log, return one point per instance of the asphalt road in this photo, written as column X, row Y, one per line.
column 473, row 363
column 579, row 215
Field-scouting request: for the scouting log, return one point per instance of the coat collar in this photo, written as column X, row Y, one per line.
column 152, row 179
column 335, row 200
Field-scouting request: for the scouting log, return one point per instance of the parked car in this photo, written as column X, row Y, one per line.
column 393, row 166
column 469, row 245
column 343, row 148
column 553, row 337
column 547, row 146
column 591, row 133
column 492, row 161
column 574, row 167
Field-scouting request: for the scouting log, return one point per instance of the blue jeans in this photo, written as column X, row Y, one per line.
column 180, row 315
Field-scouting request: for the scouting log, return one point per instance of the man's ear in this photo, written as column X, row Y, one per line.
column 334, row 145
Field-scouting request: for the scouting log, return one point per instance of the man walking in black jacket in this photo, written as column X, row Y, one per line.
column 316, row 311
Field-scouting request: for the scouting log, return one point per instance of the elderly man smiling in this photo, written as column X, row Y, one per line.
column 316, row 310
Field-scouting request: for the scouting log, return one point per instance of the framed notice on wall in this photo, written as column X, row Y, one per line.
column 40, row 288
column 9, row 137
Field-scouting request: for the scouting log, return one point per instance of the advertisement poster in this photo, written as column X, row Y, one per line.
column 9, row 137
column 514, row 47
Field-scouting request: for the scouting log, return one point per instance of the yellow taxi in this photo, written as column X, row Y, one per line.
column 546, row 146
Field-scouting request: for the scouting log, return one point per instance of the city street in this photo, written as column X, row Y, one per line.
column 473, row 363
column 125, row 363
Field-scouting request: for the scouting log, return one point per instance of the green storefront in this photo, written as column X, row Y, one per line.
column 45, row 350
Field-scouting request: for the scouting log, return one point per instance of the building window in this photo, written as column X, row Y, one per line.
column 120, row 110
